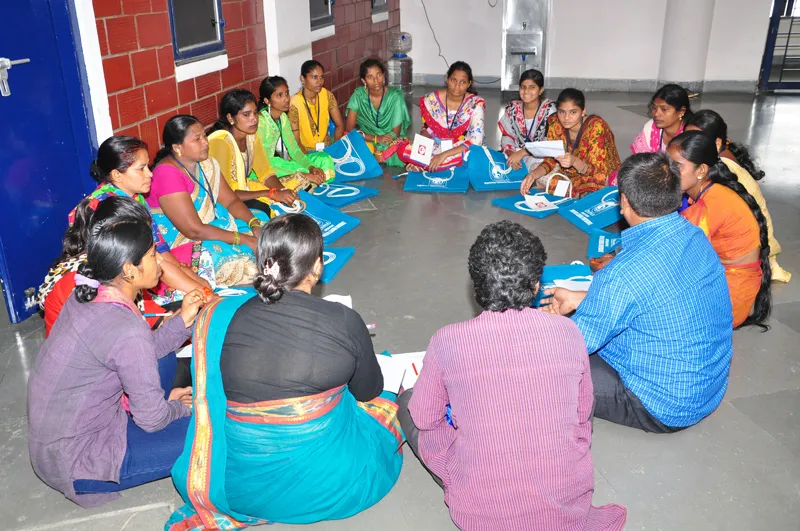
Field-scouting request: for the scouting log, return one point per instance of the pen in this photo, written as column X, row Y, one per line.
column 413, row 366
column 156, row 314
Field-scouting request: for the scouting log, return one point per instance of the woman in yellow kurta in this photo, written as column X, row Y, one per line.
column 737, row 158
column 243, row 163
column 313, row 109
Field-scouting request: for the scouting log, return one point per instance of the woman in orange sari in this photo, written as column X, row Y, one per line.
column 590, row 152
column 731, row 218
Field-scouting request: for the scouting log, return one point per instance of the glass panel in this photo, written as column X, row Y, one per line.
column 320, row 9
column 379, row 5
column 195, row 22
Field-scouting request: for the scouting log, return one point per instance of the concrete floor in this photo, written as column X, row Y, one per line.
column 737, row 470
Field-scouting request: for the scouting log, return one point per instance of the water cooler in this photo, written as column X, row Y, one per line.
column 400, row 66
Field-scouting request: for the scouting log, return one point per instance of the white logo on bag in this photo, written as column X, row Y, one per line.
column 348, row 158
column 335, row 191
column 438, row 182
column 499, row 170
column 599, row 208
column 328, row 257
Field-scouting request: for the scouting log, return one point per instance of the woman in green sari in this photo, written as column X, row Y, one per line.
column 379, row 113
column 280, row 144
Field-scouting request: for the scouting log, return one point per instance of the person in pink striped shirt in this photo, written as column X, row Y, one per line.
column 513, row 453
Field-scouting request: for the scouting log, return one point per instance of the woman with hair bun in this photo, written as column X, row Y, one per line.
column 290, row 386
column 81, row 439
column 731, row 218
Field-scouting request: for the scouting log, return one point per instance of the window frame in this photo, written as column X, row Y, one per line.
column 200, row 52
column 325, row 21
column 382, row 7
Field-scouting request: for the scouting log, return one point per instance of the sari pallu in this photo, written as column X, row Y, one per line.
column 233, row 264
column 464, row 127
column 514, row 129
column 651, row 139
column 300, row 460
column 382, row 121
column 313, row 129
column 282, row 150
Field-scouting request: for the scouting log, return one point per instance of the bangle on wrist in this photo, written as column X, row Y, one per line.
column 254, row 222
column 235, row 238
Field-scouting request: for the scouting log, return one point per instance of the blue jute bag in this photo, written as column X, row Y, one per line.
column 352, row 159
column 334, row 224
column 595, row 211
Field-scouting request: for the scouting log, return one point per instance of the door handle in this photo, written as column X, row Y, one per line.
column 5, row 66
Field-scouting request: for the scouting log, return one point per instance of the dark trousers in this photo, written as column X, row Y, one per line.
column 616, row 403
column 148, row 456
column 410, row 429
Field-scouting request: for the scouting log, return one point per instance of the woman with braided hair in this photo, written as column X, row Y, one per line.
column 737, row 158
column 720, row 205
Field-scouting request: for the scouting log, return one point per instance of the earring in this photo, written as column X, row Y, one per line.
column 231, row 123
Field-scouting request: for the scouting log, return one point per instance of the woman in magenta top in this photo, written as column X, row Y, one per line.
column 514, row 452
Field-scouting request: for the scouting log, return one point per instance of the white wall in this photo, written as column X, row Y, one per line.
column 611, row 39
column 288, row 38
column 588, row 39
column 472, row 34
column 738, row 36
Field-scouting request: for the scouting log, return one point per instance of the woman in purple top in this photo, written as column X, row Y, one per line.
column 81, row 440
column 513, row 452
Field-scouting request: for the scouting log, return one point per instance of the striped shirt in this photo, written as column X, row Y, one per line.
column 520, row 389
column 660, row 314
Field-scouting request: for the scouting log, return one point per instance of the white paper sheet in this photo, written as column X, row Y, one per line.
column 185, row 352
column 393, row 370
column 422, row 150
column 347, row 300
column 545, row 148
column 412, row 364
column 574, row 285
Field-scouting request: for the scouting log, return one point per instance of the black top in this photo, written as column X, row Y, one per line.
column 299, row 346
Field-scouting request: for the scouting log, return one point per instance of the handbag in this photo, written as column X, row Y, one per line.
column 488, row 170
column 352, row 159
column 333, row 260
column 595, row 211
column 452, row 181
column 576, row 276
column 537, row 206
column 334, row 224
column 602, row 242
column 341, row 195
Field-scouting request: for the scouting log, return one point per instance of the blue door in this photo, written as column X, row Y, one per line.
column 780, row 67
column 45, row 147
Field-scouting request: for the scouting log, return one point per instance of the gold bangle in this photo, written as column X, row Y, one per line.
column 254, row 221
column 235, row 238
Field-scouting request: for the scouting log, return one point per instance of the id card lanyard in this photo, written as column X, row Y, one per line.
column 206, row 187
column 577, row 138
column 380, row 106
column 533, row 122
column 308, row 108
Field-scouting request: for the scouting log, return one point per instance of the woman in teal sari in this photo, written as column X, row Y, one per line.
column 280, row 144
column 272, row 440
column 191, row 202
column 379, row 113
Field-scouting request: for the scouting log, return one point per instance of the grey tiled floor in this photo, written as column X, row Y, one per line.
column 737, row 470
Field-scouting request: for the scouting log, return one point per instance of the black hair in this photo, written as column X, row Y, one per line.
column 652, row 184
column 116, row 153
column 574, row 95
column 310, row 65
column 532, row 75
column 175, row 131
column 461, row 66
column 75, row 239
column 369, row 63
column 699, row 148
column 712, row 124
column 675, row 96
column 113, row 242
column 505, row 264
column 293, row 242
column 268, row 87
column 232, row 103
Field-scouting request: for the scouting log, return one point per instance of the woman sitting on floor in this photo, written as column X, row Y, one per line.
column 233, row 143
column 590, row 156
column 287, row 386
column 671, row 110
column 737, row 158
column 525, row 120
column 453, row 117
column 732, row 220
column 82, row 441
column 379, row 113
column 190, row 202
column 278, row 141
column 506, row 462
column 312, row 110
column 59, row 283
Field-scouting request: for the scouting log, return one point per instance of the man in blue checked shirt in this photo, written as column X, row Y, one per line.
column 658, row 317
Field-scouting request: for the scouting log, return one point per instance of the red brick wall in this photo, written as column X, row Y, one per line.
column 139, row 66
column 356, row 39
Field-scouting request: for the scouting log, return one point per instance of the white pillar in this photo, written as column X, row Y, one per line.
column 684, row 47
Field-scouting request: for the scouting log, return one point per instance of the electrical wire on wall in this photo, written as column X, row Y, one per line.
column 436, row 40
